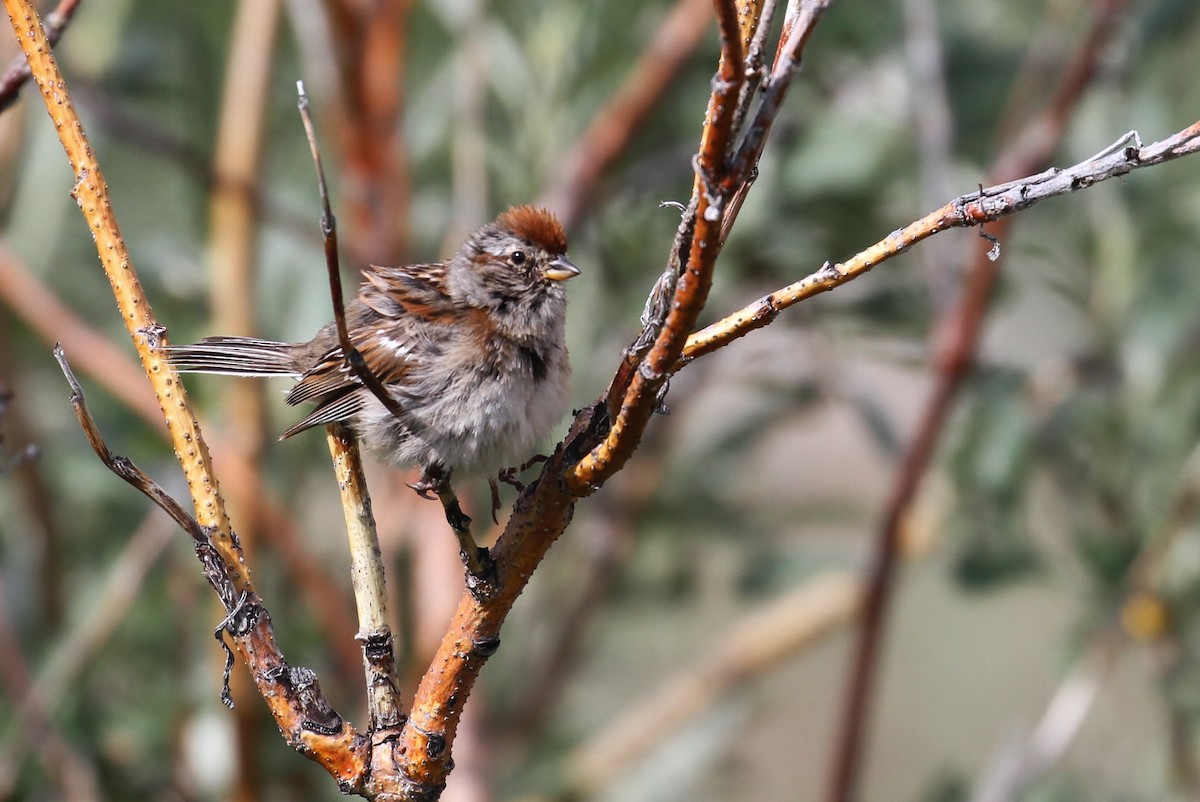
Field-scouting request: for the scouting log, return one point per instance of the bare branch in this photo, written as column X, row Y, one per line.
column 91, row 193
column 539, row 516
column 688, row 278
column 972, row 209
column 111, row 368
column 367, row 578
column 122, row 466
column 350, row 353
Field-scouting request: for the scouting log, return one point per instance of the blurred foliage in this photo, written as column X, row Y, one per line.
column 1068, row 465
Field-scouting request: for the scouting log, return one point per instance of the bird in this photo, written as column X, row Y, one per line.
column 471, row 349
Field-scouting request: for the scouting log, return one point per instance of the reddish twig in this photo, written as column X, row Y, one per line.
column 682, row 291
column 366, row 565
column 369, row 42
column 306, row 719
column 988, row 205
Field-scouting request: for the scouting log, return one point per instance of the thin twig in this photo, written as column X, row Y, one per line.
column 366, row 564
column 304, row 716
column 111, row 368
column 689, row 275
column 540, row 514
column 122, row 466
column 350, row 352
column 474, row 557
column 480, row 569
column 367, row 578
column 91, row 193
column 972, row 209
column 756, row 18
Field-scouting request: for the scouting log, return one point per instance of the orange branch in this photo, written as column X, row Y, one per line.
column 91, row 193
column 700, row 239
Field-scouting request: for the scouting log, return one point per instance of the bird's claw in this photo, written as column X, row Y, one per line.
column 424, row 488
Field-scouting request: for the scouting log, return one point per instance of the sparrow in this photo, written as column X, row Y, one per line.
column 472, row 349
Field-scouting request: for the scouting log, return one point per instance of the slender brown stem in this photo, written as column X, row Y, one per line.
column 688, row 278
column 111, row 368
column 988, row 205
column 480, row 568
column 350, row 352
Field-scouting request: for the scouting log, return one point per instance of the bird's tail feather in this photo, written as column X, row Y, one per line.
column 237, row 356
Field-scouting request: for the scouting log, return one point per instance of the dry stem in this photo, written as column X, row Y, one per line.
column 972, row 209
column 689, row 275
column 110, row 367
column 366, row 575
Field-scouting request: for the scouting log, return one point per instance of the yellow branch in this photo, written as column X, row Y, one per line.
column 91, row 193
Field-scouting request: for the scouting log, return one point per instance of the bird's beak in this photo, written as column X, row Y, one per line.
column 561, row 269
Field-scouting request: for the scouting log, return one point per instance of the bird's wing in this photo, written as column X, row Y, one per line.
column 417, row 290
column 401, row 300
column 340, row 407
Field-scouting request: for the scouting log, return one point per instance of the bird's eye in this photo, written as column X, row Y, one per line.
column 517, row 257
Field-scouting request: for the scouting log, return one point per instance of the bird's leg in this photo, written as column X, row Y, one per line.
column 478, row 562
column 509, row 475
column 423, row 487
column 495, row 497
